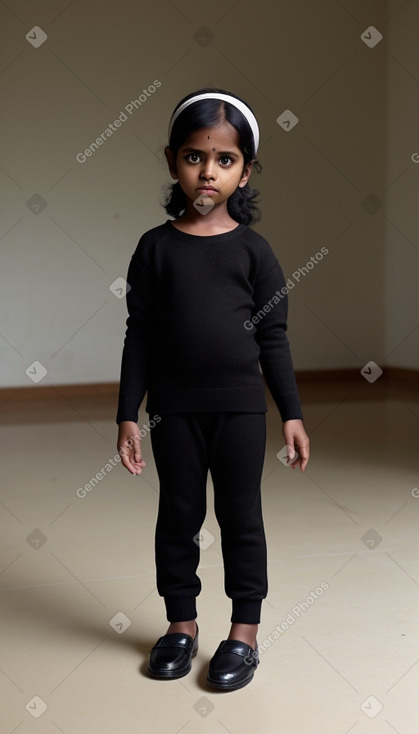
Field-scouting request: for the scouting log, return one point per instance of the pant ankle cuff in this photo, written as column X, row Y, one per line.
column 179, row 609
column 246, row 611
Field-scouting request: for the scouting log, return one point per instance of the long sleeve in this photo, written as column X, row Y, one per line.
column 135, row 355
column 270, row 319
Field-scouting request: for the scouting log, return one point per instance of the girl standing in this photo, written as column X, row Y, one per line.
column 196, row 283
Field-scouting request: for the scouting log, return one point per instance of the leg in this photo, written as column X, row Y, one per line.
column 180, row 454
column 236, row 464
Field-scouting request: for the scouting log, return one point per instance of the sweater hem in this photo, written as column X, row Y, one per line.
column 206, row 399
column 169, row 400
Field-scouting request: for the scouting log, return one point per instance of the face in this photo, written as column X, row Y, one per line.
column 210, row 164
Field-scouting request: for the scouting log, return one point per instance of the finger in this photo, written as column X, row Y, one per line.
column 134, row 468
column 290, row 452
column 138, row 465
column 130, row 466
column 295, row 459
column 136, row 451
column 131, row 449
column 127, row 460
column 305, row 456
column 136, row 460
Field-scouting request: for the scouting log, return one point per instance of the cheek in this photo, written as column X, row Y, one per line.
column 186, row 170
column 232, row 178
column 189, row 177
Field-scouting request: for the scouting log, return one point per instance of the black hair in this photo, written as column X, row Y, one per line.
column 241, row 205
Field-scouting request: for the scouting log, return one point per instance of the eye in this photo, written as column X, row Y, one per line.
column 225, row 160
column 195, row 156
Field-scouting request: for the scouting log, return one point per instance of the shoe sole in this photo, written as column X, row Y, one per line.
column 229, row 686
column 167, row 675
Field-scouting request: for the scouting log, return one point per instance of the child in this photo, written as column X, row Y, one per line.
column 196, row 283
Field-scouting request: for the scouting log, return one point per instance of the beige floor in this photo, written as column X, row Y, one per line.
column 80, row 611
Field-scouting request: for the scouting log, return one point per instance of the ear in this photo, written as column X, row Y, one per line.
column 247, row 170
column 171, row 161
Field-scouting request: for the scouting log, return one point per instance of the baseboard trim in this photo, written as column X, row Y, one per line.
column 90, row 390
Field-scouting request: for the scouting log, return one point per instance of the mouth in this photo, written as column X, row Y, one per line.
column 207, row 190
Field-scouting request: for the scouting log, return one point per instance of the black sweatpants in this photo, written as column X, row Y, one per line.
column 232, row 447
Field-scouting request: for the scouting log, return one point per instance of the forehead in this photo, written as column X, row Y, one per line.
column 223, row 136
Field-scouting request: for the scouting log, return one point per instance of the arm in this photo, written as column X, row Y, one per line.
column 133, row 382
column 276, row 362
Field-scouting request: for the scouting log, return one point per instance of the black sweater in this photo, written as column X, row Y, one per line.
column 190, row 341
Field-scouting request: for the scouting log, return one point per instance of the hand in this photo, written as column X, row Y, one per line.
column 296, row 439
column 129, row 447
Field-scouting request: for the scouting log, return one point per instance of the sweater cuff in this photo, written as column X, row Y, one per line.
column 128, row 407
column 289, row 407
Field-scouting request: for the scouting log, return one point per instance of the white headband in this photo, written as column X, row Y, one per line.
column 244, row 109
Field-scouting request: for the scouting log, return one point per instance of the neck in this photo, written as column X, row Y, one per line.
column 216, row 220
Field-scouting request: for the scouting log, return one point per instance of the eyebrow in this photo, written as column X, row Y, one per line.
column 220, row 152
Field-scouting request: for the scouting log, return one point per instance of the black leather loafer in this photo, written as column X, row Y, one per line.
column 172, row 654
column 232, row 666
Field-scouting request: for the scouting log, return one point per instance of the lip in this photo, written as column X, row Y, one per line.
column 207, row 189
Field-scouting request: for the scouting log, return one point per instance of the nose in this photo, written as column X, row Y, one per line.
column 208, row 170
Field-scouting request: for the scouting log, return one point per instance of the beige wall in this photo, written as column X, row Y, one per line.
column 357, row 130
